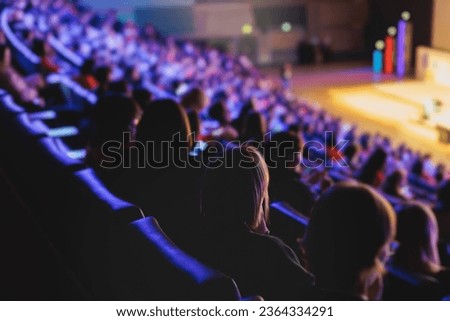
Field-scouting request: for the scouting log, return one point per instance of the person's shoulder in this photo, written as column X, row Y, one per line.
column 190, row 170
column 444, row 275
column 326, row 295
column 273, row 245
column 440, row 211
column 6, row 72
column 295, row 184
column 303, row 186
column 283, row 259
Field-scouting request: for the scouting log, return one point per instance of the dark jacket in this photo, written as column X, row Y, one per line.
column 285, row 186
column 260, row 264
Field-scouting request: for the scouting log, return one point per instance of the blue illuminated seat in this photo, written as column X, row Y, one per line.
column 97, row 223
column 154, row 268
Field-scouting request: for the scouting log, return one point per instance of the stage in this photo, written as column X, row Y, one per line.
column 396, row 109
column 383, row 104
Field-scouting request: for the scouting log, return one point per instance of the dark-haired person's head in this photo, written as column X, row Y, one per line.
column 439, row 173
column 255, row 127
column 364, row 141
column 235, row 190
column 348, row 238
column 394, row 182
column 114, row 115
column 142, row 96
column 350, row 152
column 219, row 112
column 39, row 47
column 103, row 74
column 246, row 109
column 443, row 195
column 283, row 151
column 165, row 126
column 194, row 99
column 295, row 129
column 88, row 67
column 372, row 171
column 417, row 167
column 418, row 235
column 5, row 56
column 119, row 87
column 132, row 74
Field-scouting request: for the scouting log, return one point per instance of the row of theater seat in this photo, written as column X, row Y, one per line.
column 115, row 252
column 113, row 249
column 91, row 227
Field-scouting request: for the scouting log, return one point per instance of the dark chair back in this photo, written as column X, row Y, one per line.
column 287, row 223
column 154, row 268
column 97, row 225
column 401, row 285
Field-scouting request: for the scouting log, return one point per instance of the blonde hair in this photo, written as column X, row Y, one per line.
column 349, row 227
column 261, row 192
column 235, row 192
column 418, row 236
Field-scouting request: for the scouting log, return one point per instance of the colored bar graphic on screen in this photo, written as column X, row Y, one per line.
column 389, row 55
column 401, row 42
column 377, row 61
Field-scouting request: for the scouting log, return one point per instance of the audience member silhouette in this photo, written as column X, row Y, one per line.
column 234, row 237
column 348, row 242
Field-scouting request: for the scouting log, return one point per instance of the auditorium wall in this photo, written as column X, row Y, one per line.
column 340, row 22
column 441, row 25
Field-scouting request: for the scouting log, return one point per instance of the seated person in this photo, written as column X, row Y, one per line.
column 420, row 175
column 282, row 155
column 442, row 210
column 347, row 242
column 349, row 155
column 86, row 78
column 114, row 115
column 103, row 77
column 372, row 171
column 194, row 101
column 120, row 87
column 133, row 76
column 418, row 235
column 142, row 96
column 223, row 130
column 239, row 122
column 16, row 85
column 159, row 176
column 234, row 238
column 394, row 184
column 41, row 49
column 255, row 127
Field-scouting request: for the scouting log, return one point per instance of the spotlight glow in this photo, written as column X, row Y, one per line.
column 286, row 27
column 406, row 15
column 247, row 29
column 379, row 45
column 392, row 31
